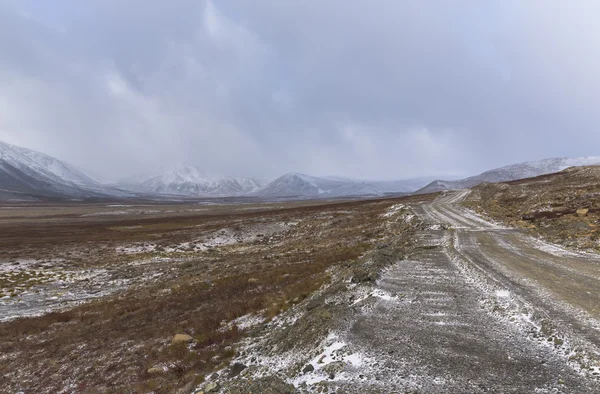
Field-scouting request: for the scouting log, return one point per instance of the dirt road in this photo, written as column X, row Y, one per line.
column 480, row 308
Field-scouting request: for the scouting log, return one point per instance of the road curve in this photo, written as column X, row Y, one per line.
column 481, row 308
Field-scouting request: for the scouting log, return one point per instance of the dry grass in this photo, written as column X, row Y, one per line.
column 110, row 344
column 548, row 205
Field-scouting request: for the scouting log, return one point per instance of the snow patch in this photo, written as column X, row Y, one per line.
column 333, row 352
column 394, row 209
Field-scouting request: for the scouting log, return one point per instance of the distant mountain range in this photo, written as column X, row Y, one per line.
column 186, row 180
column 511, row 173
column 29, row 175
column 300, row 185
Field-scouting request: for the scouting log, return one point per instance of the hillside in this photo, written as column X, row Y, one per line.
column 563, row 207
column 510, row 173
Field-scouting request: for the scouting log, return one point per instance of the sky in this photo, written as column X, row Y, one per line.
column 368, row 89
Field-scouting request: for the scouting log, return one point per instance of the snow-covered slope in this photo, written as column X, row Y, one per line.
column 187, row 180
column 512, row 172
column 24, row 172
column 62, row 170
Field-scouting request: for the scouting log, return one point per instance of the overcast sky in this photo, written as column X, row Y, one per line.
column 369, row 89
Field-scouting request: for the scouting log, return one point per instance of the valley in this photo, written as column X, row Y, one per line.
column 410, row 294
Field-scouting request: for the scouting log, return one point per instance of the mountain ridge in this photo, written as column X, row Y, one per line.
column 511, row 172
column 27, row 174
column 182, row 179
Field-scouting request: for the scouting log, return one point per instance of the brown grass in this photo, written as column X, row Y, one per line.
column 108, row 345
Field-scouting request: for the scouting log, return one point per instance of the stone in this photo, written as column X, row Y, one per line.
column 212, row 388
column 362, row 275
column 181, row 338
column 236, row 369
column 324, row 314
column 334, row 368
column 582, row 212
column 312, row 305
column 528, row 217
column 308, row 369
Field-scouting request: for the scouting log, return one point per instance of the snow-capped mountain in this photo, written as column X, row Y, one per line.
column 65, row 172
column 306, row 186
column 186, row 180
column 512, row 172
column 24, row 172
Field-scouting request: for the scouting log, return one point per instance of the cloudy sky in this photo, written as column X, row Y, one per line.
column 369, row 89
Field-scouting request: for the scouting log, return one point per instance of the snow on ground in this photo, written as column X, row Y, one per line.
column 557, row 250
column 122, row 213
column 377, row 293
column 334, row 350
column 394, row 209
column 27, row 264
column 248, row 321
column 136, row 249
column 216, row 239
column 54, row 289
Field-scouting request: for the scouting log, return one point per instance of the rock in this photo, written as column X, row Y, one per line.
column 528, row 217
column 582, row 212
column 312, row 305
column 387, row 253
column 155, row 371
column 362, row 274
column 181, row 338
column 334, row 368
column 308, row 369
column 212, row 388
column 324, row 314
column 187, row 389
column 236, row 369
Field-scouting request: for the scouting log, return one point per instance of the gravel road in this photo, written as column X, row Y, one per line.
column 480, row 308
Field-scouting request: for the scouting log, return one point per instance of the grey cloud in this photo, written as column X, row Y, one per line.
column 367, row 89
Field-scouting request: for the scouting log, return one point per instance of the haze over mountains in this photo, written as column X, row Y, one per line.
column 185, row 180
column 512, row 172
column 189, row 181
column 26, row 174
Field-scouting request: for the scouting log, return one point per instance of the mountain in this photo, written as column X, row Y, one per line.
column 305, row 186
column 186, row 180
column 512, row 172
column 62, row 170
column 26, row 174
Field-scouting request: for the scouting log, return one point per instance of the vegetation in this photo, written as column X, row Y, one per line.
column 122, row 343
